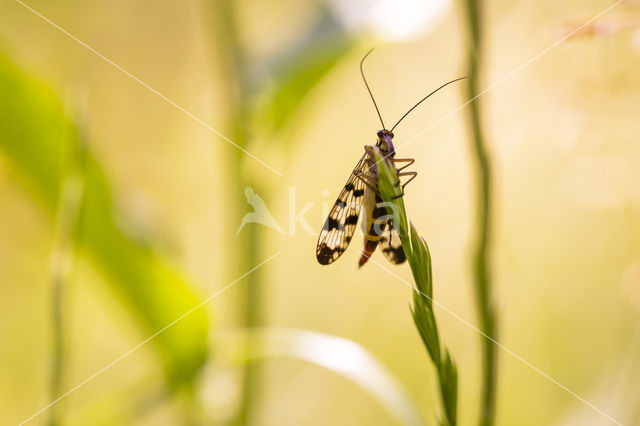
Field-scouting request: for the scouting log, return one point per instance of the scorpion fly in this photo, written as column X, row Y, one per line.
column 361, row 192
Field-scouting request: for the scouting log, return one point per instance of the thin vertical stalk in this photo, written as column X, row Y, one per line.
column 246, row 246
column 482, row 246
column 67, row 231
column 57, row 349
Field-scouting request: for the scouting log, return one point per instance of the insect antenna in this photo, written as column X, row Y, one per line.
column 368, row 89
column 422, row 100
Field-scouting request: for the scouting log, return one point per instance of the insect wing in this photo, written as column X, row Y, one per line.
column 391, row 245
column 340, row 225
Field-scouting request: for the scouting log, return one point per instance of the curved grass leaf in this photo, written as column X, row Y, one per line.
column 38, row 140
column 342, row 356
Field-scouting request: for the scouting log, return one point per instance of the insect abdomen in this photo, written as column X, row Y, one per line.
column 374, row 224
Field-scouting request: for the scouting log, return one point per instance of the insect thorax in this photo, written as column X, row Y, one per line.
column 385, row 144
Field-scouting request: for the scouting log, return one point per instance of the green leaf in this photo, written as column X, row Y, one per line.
column 426, row 325
column 38, row 140
column 449, row 386
column 301, row 68
column 422, row 257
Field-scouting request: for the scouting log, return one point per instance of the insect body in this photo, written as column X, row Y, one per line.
column 377, row 225
column 361, row 192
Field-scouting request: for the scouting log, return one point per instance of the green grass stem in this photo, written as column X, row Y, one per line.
column 67, row 230
column 247, row 245
column 419, row 259
column 482, row 245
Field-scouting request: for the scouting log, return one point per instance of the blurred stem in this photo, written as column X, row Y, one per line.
column 58, row 355
column 481, row 259
column 67, row 230
column 247, row 244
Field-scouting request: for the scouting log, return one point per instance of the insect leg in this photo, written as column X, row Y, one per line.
column 409, row 162
column 413, row 176
column 368, row 180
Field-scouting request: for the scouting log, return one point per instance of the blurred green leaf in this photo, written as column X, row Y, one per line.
column 300, row 68
column 38, row 140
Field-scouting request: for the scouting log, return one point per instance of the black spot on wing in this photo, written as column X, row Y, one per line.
column 331, row 223
column 351, row 220
column 324, row 255
column 338, row 229
column 391, row 245
column 394, row 255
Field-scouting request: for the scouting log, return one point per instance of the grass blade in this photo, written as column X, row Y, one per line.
column 419, row 259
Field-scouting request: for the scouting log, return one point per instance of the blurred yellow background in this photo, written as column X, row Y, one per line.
column 563, row 137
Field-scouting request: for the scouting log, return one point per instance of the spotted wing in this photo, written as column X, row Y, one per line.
column 341, row 223
column 391, row 245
